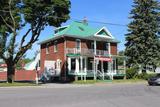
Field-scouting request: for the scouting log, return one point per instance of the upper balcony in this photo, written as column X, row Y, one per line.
column 87, row 52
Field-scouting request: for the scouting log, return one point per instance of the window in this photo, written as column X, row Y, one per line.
column 92, row 45
column 73, row 63
column 106, row 46
column 114, row 65
column 83, row 63
column 47, row 49
column 39, row 63
column 55, row 46
column 90, row 63
column 78, row 44
column 105, row 66
column 58, row 64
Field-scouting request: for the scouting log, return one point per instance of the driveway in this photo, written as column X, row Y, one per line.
column 65, row 95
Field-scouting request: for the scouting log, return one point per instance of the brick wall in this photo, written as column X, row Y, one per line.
column 53, row 56
column 70, row 43
column 114, row 48
column 3, row 76
column 20, row 75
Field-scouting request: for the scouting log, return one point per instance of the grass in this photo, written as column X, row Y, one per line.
column 109, row 81
column 15, row 84
column 129, row 81
column 85, row 82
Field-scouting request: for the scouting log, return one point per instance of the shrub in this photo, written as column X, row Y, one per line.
column 145, row 76
column 131, row 72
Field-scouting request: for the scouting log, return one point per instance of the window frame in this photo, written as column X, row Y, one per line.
column 92, row 45
column 47, row 49
column 78, row 42
column 55, row 47
column 107, row 46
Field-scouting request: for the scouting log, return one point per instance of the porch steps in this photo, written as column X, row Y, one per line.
column 102, row 76
column 99, row 75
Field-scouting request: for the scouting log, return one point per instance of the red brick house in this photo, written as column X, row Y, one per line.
column 78, row 50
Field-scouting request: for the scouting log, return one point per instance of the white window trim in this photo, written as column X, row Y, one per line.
column 107, row 31
column 47, row 48
column 55, row 47
column 58, row 64
column 107, row 46
column 79, row 44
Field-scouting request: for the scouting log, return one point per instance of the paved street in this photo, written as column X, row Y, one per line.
column 100, row 95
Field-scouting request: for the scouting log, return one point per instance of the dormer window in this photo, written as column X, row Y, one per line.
column 81, row 28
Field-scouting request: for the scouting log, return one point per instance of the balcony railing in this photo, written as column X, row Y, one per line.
column 85, row 51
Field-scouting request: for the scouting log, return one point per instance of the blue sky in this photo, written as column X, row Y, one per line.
column 109, row 11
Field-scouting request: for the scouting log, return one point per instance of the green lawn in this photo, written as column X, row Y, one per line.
column 128, row 81
column 109, row 81
column 85, row 82
column 16, row 84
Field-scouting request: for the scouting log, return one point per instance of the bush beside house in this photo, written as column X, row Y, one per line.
column 132, row 73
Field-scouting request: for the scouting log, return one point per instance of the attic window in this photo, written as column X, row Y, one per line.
column 56, row 31
column 81, row 28
column 60, row 29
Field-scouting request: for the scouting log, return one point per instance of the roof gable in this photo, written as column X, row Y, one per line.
column 104, row 32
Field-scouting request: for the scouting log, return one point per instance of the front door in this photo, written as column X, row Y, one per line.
column 73, row 64
column 105, row 66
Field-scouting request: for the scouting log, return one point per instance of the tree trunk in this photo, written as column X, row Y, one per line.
column 10, row 72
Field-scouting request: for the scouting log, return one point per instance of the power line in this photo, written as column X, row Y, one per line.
column 107, row 23
column 75, row 19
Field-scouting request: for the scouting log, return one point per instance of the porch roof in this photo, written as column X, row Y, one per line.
column 73, row 55
column 118, row 56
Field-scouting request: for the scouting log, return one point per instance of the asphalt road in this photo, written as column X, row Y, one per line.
column 101, row 95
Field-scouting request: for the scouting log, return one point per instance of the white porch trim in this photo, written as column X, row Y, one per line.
column 107, row 31
column 77, row 65
column 69, row 64
column 95, row 47
column 81, row 62
column 109, row 49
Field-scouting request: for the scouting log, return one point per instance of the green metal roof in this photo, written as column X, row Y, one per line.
column 78, row 30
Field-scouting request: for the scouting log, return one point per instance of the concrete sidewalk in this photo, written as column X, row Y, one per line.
column 66, row 85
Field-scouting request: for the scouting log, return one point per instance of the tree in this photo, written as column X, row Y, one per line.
column 32, row 15
column 22, row 62
column 121, row 58
column 142, row 44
